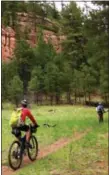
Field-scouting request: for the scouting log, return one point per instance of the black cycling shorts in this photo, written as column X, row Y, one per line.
column 17, row 130
column 23, row 128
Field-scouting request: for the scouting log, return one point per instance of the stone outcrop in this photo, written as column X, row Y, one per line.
column 8, row 35
column 8, row 42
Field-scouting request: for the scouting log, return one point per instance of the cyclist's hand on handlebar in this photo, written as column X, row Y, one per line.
column 36, row 126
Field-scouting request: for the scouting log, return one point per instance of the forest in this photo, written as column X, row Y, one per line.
column 76, row 75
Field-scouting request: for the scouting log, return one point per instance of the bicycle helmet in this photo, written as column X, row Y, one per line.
column 24, row 103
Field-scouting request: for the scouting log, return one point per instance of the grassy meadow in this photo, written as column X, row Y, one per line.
column 87, row 156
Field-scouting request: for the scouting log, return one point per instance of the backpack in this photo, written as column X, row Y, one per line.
column 15, row 117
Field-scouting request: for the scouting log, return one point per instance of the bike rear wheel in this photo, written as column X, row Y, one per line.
column 14, row 155
column 33, row 152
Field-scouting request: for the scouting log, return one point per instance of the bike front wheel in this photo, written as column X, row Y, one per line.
column 14, row 155
column 33, row 151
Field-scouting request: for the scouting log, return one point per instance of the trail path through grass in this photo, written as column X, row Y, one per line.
column 46, row 151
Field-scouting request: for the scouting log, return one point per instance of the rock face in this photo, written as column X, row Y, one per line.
column 8, row 42
column 8, row 35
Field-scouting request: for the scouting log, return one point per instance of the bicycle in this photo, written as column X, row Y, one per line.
column 18, row 149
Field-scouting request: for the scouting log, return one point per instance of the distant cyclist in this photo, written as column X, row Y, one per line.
column 100, row 110
column 21, row 126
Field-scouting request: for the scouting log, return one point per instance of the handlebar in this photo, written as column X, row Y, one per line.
column 33, row 129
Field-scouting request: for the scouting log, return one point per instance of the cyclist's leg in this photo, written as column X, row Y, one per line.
column 102, row 117
column 98, row 117
column 27, row 132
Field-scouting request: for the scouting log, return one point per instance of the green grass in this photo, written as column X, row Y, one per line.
column 78, row 157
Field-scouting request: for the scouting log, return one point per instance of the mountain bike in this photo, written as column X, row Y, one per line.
column 18, row 149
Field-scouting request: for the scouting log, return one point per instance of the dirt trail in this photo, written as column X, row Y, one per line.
column 46, row 151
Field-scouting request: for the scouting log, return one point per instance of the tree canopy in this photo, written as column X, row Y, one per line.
column 78, row 72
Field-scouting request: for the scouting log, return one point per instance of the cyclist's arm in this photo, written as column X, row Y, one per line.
column 32, row 118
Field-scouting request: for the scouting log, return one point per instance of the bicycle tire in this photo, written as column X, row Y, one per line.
column 17, row 166
column 34, row 141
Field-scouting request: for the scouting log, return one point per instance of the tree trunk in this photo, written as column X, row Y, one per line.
column 85, row 97
column 57, row 97
column 16, row 102
column 41, row 98
column 69, row 101
column 11, row 21
column 51, row 99
column 89, row 97
column 105, row 96
column 1, row 106
column 46, row 99
column 79, row 98
column 35, row 97
column 75, row 97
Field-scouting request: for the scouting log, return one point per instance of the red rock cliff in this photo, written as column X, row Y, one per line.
column 8, row 39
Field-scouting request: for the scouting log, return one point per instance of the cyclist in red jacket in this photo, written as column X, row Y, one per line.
column 22, row 126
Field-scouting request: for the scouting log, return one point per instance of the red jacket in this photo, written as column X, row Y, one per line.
column 26, row 113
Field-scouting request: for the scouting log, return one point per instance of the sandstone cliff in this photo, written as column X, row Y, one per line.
column 25, row 21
